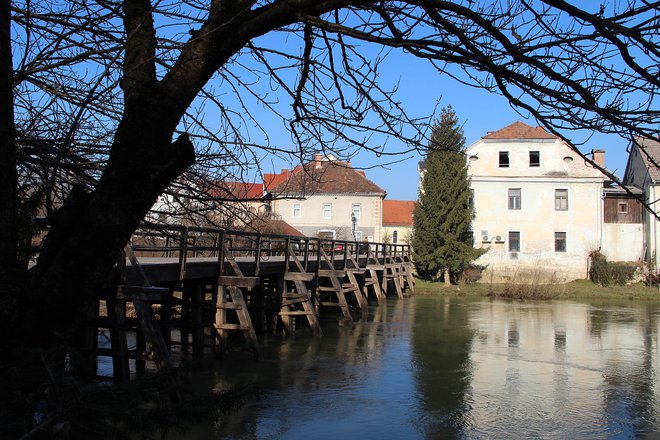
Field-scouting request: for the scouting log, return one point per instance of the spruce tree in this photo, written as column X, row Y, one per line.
column 442, row 240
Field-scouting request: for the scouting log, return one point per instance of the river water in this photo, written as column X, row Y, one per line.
column 440, row 367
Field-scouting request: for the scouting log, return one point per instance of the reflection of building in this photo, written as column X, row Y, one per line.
column 321, row 197
column 398, row 220
column 561, row 367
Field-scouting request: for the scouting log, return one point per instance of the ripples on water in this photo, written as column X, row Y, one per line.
column 434, row 367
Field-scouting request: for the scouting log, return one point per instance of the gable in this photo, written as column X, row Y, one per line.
column 535, row 154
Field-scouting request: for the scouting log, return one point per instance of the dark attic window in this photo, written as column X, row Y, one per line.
column 504, row 159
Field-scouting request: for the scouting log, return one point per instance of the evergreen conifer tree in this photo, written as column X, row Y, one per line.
column 442, row 240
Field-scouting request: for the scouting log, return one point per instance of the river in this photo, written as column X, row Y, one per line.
column 440, row 367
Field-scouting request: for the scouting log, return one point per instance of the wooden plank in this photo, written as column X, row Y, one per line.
column 117, row 314
column 244, row 319
column 152, row 333
column 308, row 307
column 239, row 281
column 330, row 273
column 232, row 327
column 295, row 313
column 299, row 276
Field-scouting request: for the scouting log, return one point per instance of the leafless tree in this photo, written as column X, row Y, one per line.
column 113, row 101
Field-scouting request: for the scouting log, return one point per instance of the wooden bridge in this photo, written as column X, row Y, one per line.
column 194, row 289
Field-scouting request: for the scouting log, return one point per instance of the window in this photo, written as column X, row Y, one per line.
column 327, row 210
column 622, row 207
column 561, row 200
column 534, row 158
column 504, row 159
column 296, row 210
column 357, row 210
column 395, row 237
column 358, row 235
column 514, row 241
column 560, row 241
column 515, row 198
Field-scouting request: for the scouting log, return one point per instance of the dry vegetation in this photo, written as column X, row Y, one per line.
column 575, row 290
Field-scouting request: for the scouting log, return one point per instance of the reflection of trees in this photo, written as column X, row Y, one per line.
column 441, row 345
column 345, row 356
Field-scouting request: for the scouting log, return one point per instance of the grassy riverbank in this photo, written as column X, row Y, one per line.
column 575, row 290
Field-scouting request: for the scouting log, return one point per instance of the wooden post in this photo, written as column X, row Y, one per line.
column 117, row 321
column 197, row 320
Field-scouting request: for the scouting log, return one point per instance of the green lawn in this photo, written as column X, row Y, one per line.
column 575, row 290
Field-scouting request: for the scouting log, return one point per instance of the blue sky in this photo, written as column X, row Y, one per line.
column 421, row 90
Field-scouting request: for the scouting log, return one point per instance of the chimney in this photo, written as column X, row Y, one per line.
column 598, row 156
column 317, row 160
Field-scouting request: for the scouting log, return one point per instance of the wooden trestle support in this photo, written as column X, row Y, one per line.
column 226, row 292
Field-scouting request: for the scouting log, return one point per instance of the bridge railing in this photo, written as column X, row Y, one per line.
column 185, row 242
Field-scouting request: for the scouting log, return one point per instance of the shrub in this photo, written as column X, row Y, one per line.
column 608, row 273
column 531, row 283
column 471, row 274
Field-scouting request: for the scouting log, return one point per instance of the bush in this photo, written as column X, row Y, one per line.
column 531, row 283
column 471, row 274
column 608, row 273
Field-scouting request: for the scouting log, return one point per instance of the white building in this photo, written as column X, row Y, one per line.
column 539, row 207
column 643, row 172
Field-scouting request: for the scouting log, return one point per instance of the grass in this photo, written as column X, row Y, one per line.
column 575, row 290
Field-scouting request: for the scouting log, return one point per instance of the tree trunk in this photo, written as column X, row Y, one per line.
column 89, row 231
column 447, row 277
column 8, row 179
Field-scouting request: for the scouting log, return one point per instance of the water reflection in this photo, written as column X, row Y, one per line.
column 433, row 367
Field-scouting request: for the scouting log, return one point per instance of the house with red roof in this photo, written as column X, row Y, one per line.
column 398, row 220
column 539, row 206
column 329, row 198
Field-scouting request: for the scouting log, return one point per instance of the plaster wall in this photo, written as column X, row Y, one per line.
column 623, row 241
column 311, row 220
column 537, row 220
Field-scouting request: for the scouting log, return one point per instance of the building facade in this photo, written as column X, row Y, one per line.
column 327, row 198
column 398, row 221
column 643, row 173
column 539, row 207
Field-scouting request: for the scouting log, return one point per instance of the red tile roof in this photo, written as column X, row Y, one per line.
column 398, row 212
column 236, row 191
column 520, row 130
column 272, row 226
column 321, row 177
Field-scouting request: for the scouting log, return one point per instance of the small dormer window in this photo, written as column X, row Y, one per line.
column 622, row 207
column 534, row 158
column 504, row 159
